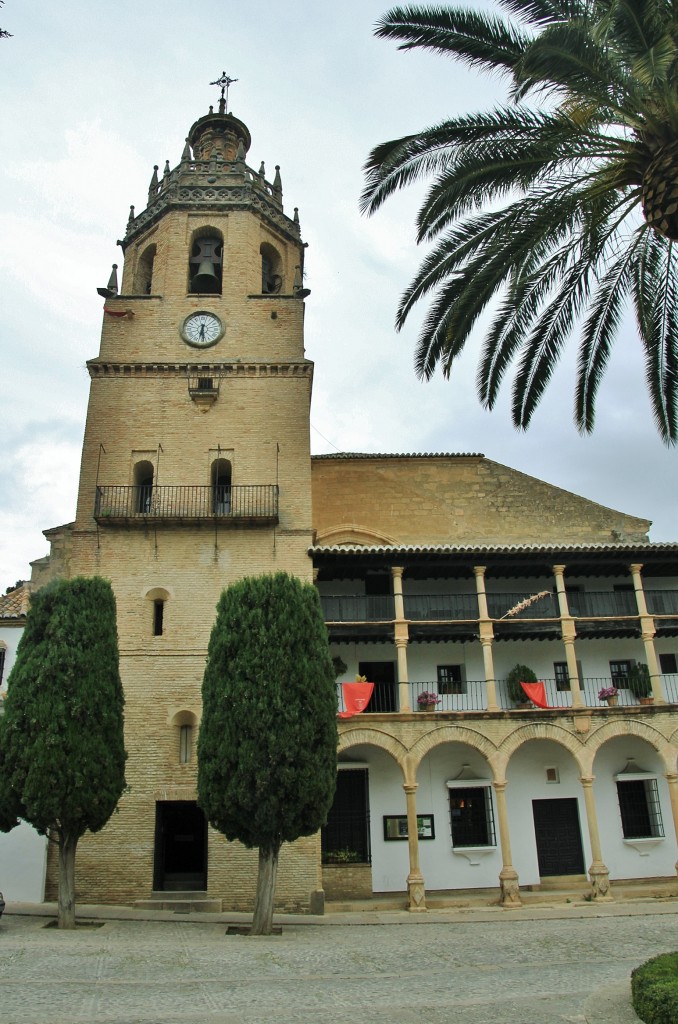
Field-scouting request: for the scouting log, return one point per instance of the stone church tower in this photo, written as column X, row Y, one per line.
column 195, row 472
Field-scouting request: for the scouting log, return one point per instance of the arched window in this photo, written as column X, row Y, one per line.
column 221, row 487
column 143, row 284
column 157, row 596
column 271, row 269
column 205, row 263
column 143, row 483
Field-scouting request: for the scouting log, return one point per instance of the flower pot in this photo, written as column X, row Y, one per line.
column 428, row 707
column 612, row 701
column 646, row 700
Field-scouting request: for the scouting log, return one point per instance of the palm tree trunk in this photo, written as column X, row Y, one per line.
column 66, row 905
column 262, row 921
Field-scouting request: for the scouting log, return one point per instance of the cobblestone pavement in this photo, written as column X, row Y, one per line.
column 452, row 970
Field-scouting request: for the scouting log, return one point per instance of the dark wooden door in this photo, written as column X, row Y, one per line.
column 180, row 846
column 558, row 836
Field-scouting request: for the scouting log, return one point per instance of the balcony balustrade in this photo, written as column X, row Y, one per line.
column 502, row 606
column 142, row 504
column 471, row 695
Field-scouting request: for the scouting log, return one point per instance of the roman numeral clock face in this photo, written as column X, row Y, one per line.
column 202, row 329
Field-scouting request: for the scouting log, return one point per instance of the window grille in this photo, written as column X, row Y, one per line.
column 639, row 807
column 471, row 816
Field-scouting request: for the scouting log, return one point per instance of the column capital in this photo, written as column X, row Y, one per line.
column 397, row 570
column 586, row 780
column 410, row 787
column 499, row 785
column 558, row 570
column 635, row 567
column 401, row 641
column 479, row 570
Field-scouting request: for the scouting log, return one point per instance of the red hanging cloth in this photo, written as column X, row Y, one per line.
column 536, row 693
column 356, row 698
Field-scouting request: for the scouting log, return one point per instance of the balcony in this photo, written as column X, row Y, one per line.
column 249, row 504
column 515, row 615
column 471, row 695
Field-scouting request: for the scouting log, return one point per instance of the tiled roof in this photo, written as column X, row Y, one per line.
column 398, row 455
column 14, row 604
column 443, row 549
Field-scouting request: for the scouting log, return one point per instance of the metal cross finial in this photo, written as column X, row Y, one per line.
column 224, row 82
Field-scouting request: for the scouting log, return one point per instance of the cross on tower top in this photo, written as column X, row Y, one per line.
column 224, row 82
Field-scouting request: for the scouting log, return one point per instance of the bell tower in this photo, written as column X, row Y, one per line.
column 195, row 472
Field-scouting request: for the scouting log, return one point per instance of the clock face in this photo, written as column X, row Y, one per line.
column 202, row 329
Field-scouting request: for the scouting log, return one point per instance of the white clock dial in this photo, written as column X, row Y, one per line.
column 202, row 329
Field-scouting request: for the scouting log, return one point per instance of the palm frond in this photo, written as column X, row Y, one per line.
column 474, row 38
column 656, row 305
column 599, row 333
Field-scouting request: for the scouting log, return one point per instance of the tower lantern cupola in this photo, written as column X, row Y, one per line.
column 219, row 135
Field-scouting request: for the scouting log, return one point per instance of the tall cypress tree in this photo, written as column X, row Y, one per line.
column 268, row 739
column 62, row 753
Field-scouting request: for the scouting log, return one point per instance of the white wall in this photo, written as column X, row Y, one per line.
column 23, row 853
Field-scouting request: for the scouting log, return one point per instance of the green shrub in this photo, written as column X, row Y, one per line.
column 519, row 674
column 654, row 989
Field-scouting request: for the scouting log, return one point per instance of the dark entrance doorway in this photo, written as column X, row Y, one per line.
column 180, row 846
column 383, row 675
column 348, row 822
column 558, row 836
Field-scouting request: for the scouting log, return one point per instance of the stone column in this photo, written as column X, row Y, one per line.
column 416, row 892
column 486, row 638
column 598, row 872
column 648, row 630
column 672, row 779
column 508, row 876
column 402, row 636
column 568, row 633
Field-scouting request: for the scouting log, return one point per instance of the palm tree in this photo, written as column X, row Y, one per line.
column 562, row 204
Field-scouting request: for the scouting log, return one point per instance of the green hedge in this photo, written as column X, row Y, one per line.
column 654, row 990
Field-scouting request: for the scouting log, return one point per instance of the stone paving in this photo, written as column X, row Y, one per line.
column 544, row 968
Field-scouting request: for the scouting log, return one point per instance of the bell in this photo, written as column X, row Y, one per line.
column 205, row 280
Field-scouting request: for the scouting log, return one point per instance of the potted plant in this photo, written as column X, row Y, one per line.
column 427, row 701
column 638, row 682
column 519, row 674
column 609, row 694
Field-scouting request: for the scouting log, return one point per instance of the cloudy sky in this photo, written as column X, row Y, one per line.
column 92, row 95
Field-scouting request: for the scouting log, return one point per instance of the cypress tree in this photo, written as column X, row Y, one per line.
column 62, row 752
column 268, row 738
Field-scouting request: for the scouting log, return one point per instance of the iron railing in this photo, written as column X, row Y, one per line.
column 450, row 607
column 423, row 607
column 471, row 695
column 145, row 502
column 357, row 608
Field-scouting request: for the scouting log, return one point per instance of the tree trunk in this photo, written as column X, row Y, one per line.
column 262, row 921
column 67, row 848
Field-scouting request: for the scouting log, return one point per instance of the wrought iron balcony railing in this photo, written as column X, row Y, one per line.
column 255, row 503
column 471, row 694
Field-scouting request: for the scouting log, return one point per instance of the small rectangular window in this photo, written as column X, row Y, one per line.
column 562, row 675
column 668, row 664
column 639, row 807
column 158, row 616
column 450, row 679
column 619, row 673
column 471, row 816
